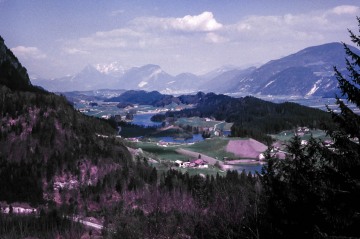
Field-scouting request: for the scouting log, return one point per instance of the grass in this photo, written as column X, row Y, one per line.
column 214, row 147
column 168, row 154
column 163, row 153
column 196, row 122
column 289, row 134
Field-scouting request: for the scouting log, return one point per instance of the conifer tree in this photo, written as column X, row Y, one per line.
column 315, row 191
column 347, row 134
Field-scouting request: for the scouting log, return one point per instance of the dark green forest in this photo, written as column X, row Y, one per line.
column 313, row 193
column 254, row 117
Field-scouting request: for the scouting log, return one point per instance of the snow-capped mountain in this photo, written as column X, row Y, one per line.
column 308, row 72
column 115, row 69
column 88, row 79
column 148, row 77
column 218, row 71
column 225, row 81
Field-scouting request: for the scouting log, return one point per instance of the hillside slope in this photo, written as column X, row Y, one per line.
column 308, row 72
column 50, row 152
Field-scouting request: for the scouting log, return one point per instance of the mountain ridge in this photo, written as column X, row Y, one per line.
column 308, row 72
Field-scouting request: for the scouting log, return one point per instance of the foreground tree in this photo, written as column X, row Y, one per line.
column 315, row 191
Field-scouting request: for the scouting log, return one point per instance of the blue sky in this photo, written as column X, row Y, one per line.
column 56, row 38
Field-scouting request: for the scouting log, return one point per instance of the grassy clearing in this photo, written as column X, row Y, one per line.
column 168, row 155
column 289, row 134
column 224, row 126
column 214, row 147
column 196, row 122
column 163, row 153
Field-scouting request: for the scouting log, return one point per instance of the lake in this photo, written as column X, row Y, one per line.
column 194, row 139
column 144, row 120
column 253, row 168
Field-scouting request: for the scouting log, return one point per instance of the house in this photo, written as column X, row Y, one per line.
column 301, row 131
column 198, row 162
column 203, row 166
column 328, row 143
column 162, row 143
column 261, row 157
column 179, row 163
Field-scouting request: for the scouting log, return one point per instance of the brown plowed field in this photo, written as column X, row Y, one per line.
column 247, row 148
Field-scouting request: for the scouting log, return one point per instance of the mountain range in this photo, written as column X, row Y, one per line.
column 308, row 72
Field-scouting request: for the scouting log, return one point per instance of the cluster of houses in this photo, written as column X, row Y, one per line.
column 16, row 208
column 195, row 163
column 301, row 131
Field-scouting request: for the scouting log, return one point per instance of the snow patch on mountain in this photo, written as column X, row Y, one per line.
column 142, row 84
column 324, row 73
column 156, row 73
column 314, row 88
column 114, row 68
column 269, row 83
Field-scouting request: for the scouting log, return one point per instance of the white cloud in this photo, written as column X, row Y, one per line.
column 122, row 32
column 73, row 51
column 117, row 38
column 205, row 22
column 28, row 52
column 215, row 38
column 345, row 9
column 255, row 38
column 152, row 32
column 317, row 26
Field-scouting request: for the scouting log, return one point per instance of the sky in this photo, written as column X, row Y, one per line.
column 58, row 38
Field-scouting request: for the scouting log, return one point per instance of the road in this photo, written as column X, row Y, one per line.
column 87, row 223
column 218, row 124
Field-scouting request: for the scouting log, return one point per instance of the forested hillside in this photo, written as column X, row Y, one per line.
column 253, row 117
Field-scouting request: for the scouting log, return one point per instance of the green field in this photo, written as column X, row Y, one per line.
column 214, row 147
column 288, row 135
column 196, row 122
column 163, row 153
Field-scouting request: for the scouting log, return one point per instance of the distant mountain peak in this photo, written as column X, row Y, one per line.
column 88, row 71
column 114, row 68
column 303, row 73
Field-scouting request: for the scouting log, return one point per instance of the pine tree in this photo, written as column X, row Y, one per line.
column 347, row 135
column 315, row 191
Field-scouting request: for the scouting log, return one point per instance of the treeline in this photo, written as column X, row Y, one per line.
column 154, row 98
column 184, row 206
column 44, row 225
column 129, row 130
